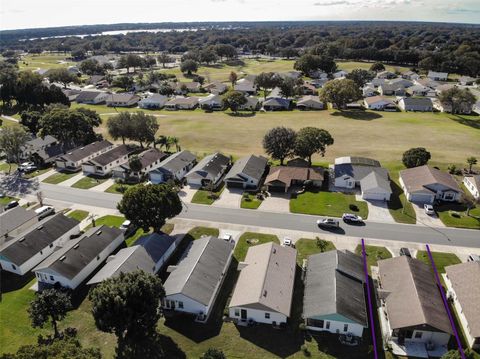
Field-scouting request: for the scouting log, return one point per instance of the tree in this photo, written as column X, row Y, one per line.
column 62, row 76
column 129, row 307
column 287, row 87
column 266, row 81
column 12, row 140
column 225, row 50
column 377, row 67
column 233, row 78
column 124, row 82
column 415, row 157
column 459, row 100
column 120, row 126
column 279, row 143
column 321, row 244
column 49, row 305
column 360, row 76
column 162, row 141
column 309, row 63
column 166, row 90
column 208, row 56
column 455, row 354
column 213, row 353
column 175, row 141
column 471, row 161
column 30, row 119
column 135, row 164
column 233, row 100
column 92, row 67
column 130, row 61
column 8, row 79
column 164, row 58
column 340, row 93
column 188, row 66
column 149, row 206
column 144, row 127
column 311, row 140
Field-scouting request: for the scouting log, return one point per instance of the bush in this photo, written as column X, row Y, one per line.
column 455, row 214
column 305, row 350
column 353, row 207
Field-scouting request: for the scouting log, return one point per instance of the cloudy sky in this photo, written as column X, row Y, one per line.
column 15, row 14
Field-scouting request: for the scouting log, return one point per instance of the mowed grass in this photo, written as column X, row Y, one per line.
column 307, row 246
column 78, row 214
column 400, row 208
column 352, row 65
column 199, row 232
column 250, row 201
column 332, row 204
column 249, row 239
column 45, row 61
column 88, row 182
column 455, row 215
column 203, row 196
column 6, row 167
column 374, row 254
column 119, row 188
column 7, row 199
column 59, row 177
column 441, row 259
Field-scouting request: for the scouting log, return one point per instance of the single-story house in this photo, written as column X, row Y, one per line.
column 422, row 104
column 308, row 89
column 153, row 102
column 247, row 172
column 388, row 75
column 216, row 87
column 318, row 83
column 377, row 82
column 294, row 75
column 410, row 75
column 95, row 80
column 318, row 74
column 182, row 88
column 334, row 297
column 437, row 76
column 44, row 151
column 463, row 288
column 71, row 94
column 122, row 100
column 426, row 184
column 340, row 74
column 466, row 80
column 150, row 160
column 32, row 246
column 389, row 89
column 73, row 160
column 276, row 104
column 369, row 91
column 15, row 221
column 412, row 313
column 182, row 103
column 379, row 103
column 281, row 178
column 420, row 90
column 427, row 82
column 246, row 86
column 90, row 97
column 211, row 102
column 310, row 102
column 37, row 144
column 149, row 254
column 72, row 264
column 174, row 167
column 401, row 82
column 209, row 171
column 463, row 108
column 252, row 104
column 472, row 183
column 194, row 283
column 103, row 164
column 264, row 288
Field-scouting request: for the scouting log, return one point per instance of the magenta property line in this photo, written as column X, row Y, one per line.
column 372, row 326
column 445, row 303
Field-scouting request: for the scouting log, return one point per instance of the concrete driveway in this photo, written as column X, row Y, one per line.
column 424, row 219
column 276, row 202
column 186, row 193
column 378, row 212
column 69, row 182
column 230, row 198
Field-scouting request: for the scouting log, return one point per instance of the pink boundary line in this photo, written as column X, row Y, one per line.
column 372, row 325
column 445, row 303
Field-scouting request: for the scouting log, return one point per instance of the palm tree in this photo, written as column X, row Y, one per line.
column 175, row 141
column 168, row 143
column 471, row 161
column 162, row 141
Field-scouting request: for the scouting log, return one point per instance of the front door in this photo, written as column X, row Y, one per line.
column 243, row 314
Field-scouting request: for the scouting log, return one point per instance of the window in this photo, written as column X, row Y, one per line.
column 267, row 315
column 418, row 335
column 180, row 305
column 237, row 312
column 345, row 327
column 328, row 325
column 51, row 278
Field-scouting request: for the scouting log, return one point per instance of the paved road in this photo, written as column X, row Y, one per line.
column 387, row 231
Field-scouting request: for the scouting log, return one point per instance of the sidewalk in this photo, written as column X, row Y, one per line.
column 72, row 180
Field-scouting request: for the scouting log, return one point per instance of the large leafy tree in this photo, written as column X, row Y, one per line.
column 340, row 92
column 130, row 61
column 311, row 140
column 361, row 76
column 279, row 143
column 120, row 126
column 377, row 67
column 144, row 127
column 471, row 161
column 213, row 353
column 8, row 79
column 415, row 157
column 188, row 66
column 164, row 58
column 12, row 139
column 149, row 206
column 49, row 305
column 62, row 76
column 124, row 82
column 309, row 63
column 266, row 81
column 233, row 100
column 30, row 119
column 459, row 100
column 129, row 307
column 135, row 163
column 92, row 67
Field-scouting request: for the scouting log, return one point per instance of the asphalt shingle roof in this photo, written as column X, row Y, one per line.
column 251, row 166
column 85, row 151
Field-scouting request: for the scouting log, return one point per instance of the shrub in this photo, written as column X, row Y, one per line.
column 305, row 350
column 455, row 214
column 353, row 207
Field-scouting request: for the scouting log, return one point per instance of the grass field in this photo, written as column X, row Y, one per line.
column 118, row 188
column 327, row 204
column 88, row 182
column 374, row 254
column 203, row 196
column 249, row 239
column 45, row 61
column 198, row 232
column 78, row 214
column 59, row 177
column 5, row 167
column 250, row 201
column 5, row 200
column 455, row 215
column 400, row 208
column 306, row 247
column 441, row 259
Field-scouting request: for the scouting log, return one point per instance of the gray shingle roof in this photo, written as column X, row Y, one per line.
column 14, row 218
column 210, row 166
column 201, row 270
column 375, row 179
column 418, row 179
column 417, row 101
column 334, row 285
column 88, row 96
column 112, row 155
column 251, row 166
column 85, row 151
column 176, row 162
column 32, row 241
column 359, row 172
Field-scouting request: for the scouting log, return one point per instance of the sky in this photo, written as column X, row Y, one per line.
column 18, row 14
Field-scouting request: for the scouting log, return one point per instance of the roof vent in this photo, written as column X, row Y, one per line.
column 82, row 148
column 62, row 258
column 265, row 293
column 40, row 228
column 274, row 250
column 21, row 239
column 99, row 233
column 76, row 246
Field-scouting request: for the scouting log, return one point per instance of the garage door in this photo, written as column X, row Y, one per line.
column 421, row 198
column 276, row 188
column 377, row 196
column 232, row 184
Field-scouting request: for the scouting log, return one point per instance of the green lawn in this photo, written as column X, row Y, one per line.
column 441, row 259
column 374, row 254
column 5, row 167
column 250, row 201
column 59, row 177
column 78, row 214
column 203, row 196
column 109, row 220
column 249, row 239
column 307, row 246
column 400, row 208
column 198, row 232
column 119, row 188
column 5, row 200
column 455, row 215
column 88, row 182
column 327, row 204
column 36, row 173
column 351, row 65
column 45, row 61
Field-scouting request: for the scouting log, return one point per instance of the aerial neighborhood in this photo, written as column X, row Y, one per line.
column 237, row 198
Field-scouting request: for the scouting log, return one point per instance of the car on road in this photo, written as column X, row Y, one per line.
column 405, row 252
column 44, row 211
column 287, row 242
column 428, row 209
column 11, row 204
column 328, row 223
column 473, row 258
column 352, row 218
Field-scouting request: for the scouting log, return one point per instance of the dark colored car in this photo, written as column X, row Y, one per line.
column 11, row 205
column 328, row 223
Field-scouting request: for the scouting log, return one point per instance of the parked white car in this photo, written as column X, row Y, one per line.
column 353, row 218
column 44, row 211
column 428, row 209
column 287, row 242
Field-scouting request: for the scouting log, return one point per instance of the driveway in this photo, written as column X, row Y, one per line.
column 102, row 187
column 69, row 182
column 230, row 198
column 378, row 212
column 424, row 219
column 276, row 202
column 186, row 193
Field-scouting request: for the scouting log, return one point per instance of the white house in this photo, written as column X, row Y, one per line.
column 387, row 75
column 182, row 103
column 174, row 167
column 420, row 104
column 216, row 87
column 122, row 100
column 379, row 103
column 437, row 76
column 340, row 74
column 73, row 160
column 247, row 172
column 310, row 102
column 72, row 264
column 103, row 164
column 264, row 288
column 334, row 299
column 211, row 102
column 245, row 86
column 209, row 170
column 472, row 183
column 368, row 91
column 92, row 97
column 149, row 160
column 463, row 288
column 15, row 221
column 29, row 248
column 154, row 101
column 194, row 283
